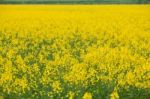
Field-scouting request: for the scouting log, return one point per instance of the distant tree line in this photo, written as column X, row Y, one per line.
column 74, row 1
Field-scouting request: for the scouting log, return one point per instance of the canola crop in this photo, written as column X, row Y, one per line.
column 74, row 51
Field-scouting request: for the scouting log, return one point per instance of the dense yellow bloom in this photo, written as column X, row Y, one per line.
column 71, row 95
column 87, row 96
column 21, row 84
column 6, row 77
column 114, row 95
column 56, row 85
column 74, row 51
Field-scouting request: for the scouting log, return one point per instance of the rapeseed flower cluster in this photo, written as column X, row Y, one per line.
column 75, row 52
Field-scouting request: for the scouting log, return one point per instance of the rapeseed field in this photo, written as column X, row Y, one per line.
column 74, row 51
